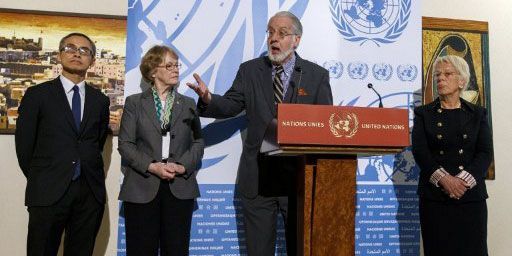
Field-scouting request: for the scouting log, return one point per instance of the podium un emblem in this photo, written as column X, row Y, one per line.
column 343, row 124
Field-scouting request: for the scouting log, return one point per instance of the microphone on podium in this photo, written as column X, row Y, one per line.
column 370, row 85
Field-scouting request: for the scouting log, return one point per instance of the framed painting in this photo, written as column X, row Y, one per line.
column 29, row 42
column 469, row 40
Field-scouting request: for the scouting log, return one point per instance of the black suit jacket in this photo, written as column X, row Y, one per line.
column 438, row 141
column 252, row 91
column 48, row 143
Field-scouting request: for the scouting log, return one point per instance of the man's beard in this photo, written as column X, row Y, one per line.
column 280, row 57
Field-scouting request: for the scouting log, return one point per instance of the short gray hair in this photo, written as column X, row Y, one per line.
column 296, row 25
column 460, row 65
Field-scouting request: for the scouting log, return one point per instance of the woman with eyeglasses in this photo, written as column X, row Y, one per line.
column 161, row 146
column 452, row 145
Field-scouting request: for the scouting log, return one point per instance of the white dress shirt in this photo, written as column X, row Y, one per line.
column 68, row 90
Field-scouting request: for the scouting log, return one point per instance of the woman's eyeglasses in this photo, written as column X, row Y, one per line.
column 171, row 67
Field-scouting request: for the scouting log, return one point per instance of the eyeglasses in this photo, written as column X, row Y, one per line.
column 171, row 67
column 446, row 74
column 280, row 34
column 72, row 49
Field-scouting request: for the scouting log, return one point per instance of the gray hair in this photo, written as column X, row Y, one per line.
column 296, row 25
column 460, row 65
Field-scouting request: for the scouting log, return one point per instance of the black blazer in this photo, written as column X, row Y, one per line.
column 252, row 91
column 438, row 141
column 47, row 142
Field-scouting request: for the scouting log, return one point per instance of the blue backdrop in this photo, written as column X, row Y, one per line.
column 358, row 41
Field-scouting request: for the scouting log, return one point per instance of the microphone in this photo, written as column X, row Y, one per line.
column 295, row 92
column 370, row 85
column 299, row 69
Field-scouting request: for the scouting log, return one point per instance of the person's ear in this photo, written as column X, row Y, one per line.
column 461, row 83
column 296, row 41
column 93, row 61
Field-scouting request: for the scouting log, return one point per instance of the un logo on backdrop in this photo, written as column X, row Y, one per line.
column 335, row 68
column 378, row 21
column 407, row 73
column 382, row 71
column 357, row 70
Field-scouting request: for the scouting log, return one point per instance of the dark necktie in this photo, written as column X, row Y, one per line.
column 278, row 85
column 76, row 107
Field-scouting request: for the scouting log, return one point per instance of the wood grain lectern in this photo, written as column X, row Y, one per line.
column 330, row 138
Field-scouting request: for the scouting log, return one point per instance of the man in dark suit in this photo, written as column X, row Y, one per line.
column 266, row 183
column 61, row 130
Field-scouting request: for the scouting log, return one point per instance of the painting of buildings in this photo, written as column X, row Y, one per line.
column 28, row 56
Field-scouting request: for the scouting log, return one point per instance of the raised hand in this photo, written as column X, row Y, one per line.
column 201, row 89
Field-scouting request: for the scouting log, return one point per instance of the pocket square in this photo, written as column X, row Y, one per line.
column 302, row 92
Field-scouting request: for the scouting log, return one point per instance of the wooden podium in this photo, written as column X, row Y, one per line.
column 330, row 138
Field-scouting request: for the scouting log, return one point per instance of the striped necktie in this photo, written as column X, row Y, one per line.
column 278, row 85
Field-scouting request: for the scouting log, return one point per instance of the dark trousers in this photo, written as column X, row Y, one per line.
column 260, row 220
column 163, row 223
column 78, row 213
column 276, row 195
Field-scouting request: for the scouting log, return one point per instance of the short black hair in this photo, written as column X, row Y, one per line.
column 61, row 43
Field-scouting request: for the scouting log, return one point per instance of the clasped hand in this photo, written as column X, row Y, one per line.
column 166, row 171
column 453, row 186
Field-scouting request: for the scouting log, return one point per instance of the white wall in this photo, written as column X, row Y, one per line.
column 13, row 215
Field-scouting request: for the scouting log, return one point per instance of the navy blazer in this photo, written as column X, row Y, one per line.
column 252, row 91
column 48, row 142
column 433, row 145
